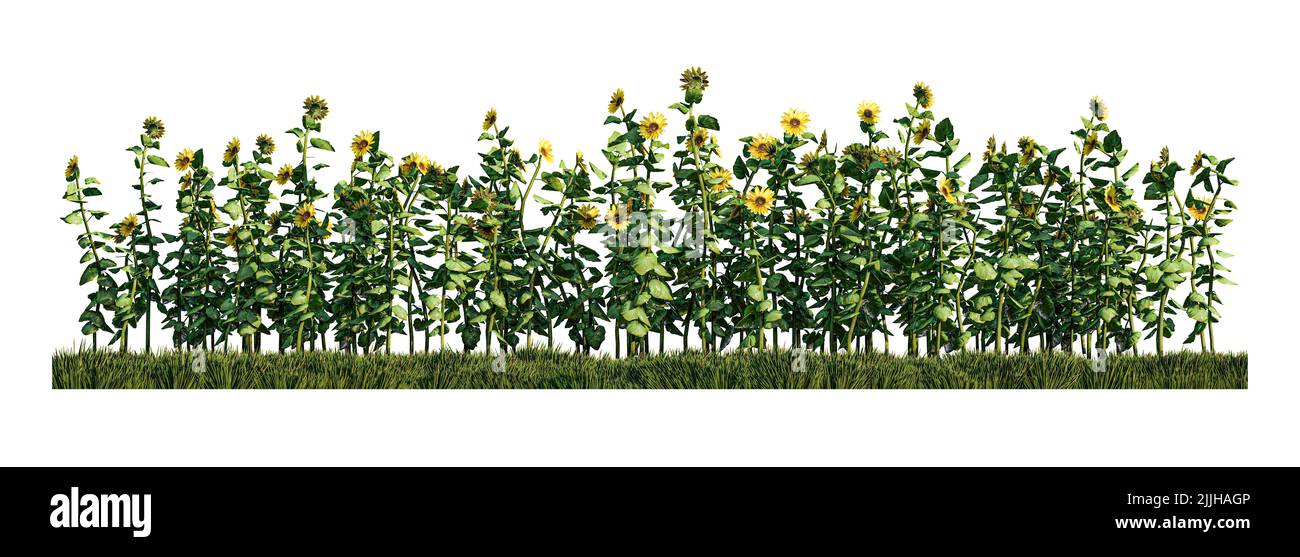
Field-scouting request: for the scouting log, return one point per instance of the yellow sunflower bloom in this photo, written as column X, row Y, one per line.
column 721, row 178
column 762, row 146
column 73, row 166
column 1112, row 198
column 232, row 150
column 545, row 150
column 948, row 189
column 1199, row 208
column 304, row 215
column 794, row 121
column 652, row 126
column 587, row 216
column 283, row 176
column 490, row 119
column 184, row 159
column 616, row 101
column 265, row 144
column 617, row 217
column 361, row 144
column 759, row 200
column 416, row 162
column 869, row 112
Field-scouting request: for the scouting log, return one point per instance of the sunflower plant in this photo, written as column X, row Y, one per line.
column 96, row 257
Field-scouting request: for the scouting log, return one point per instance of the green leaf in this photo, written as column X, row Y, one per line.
column 755, row 292
column 321, row 144
column 645, row 262
column 660, row 290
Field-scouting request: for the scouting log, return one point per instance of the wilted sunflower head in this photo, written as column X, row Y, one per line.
column 127, row 228
column 808, row 162
column 481, row 193
column 154, row 128
column 1199, row 208
column 304, row 215
column 892, row 156
column 1112, row 198
column 487, row 231
column 184, row 159
column 869, row 112
column 232, row 235
column 1098, row 109
column 1198, row 162
column 653, row 125
column 416, row 162
column 546, row 151
column 1164, row 156
column 283, row 175
column 991, row 148
column 720, row 177
column 924, row 96
column 490, row 119
column 860, row 153
column 799, row 218
column 699, row 137
column 759, row 200
column 73, row 166
column 794, row 121
column 265, row 144
column 232, row 150
column 587, row 216
column 361, row 143
column 617, row 217
column 273, row 219
column 694, row 79
column 762, row 146
column 616, row 101
column 316, row 108
column 921, row 133
column 948, row 189
column 857, row 209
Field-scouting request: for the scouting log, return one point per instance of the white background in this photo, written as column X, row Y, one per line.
column 80, row 77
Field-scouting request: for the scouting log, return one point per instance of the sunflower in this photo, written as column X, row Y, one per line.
column 860, row 153
column 284, row 174
column 273, row 219
column 1027, row 146
column 892, row 156
column 869, row 112
column 232, row 150
column 1164, row 156
column 720, row 177
column 617, row 217
column 329, row 231
column 154, row 128
column 304, row 215
column 1199, row 208
column 1112, row 198
column 265, row 144
column 316, row 108
column 808, row 162
column 762, row 146
column 545, row 150
column 587, row 216
column 232, row 235
column 653, row 125
column 127, row 228
column 799, row 218
column 948, row 189
column 416, row 162
column 695, row 79
column 924, row 96
column 361, row 143
column 1198, row 162
column 73, row 166
column 1098, row 109
column 488, row 232
column 991, row 148
column 1090, row 144
column 759, row 200
column 794, row 121
column 616, row 101
column 699, row 137
column 490, row 119
column 184, row 159
column 921, row 133
column 857, row 209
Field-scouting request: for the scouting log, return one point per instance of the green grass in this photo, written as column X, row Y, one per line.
column 541, row 369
